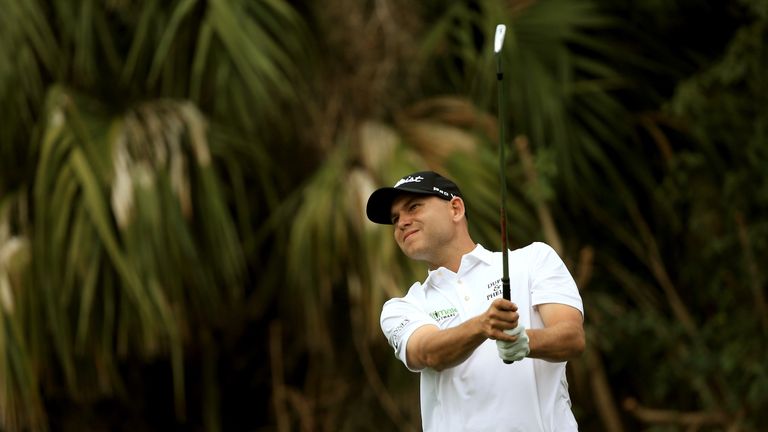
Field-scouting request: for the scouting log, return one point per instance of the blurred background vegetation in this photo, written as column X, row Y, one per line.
column 183, row 243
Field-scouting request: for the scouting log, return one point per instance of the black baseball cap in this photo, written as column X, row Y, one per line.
column 379, row 206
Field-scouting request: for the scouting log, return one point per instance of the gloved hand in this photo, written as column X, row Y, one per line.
column 517, row 350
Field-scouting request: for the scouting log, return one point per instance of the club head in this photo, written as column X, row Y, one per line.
column 501, row 29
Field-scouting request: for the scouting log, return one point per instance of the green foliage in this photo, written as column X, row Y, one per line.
column 183, row 184
column 116, row 205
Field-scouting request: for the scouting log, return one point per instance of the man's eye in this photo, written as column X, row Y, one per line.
column 414, row 205
column 394, row 220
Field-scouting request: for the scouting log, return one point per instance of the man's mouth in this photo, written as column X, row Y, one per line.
column 408, row 234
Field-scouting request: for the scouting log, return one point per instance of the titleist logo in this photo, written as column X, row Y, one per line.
column 409, row 179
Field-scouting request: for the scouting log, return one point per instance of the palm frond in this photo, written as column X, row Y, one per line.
column 130, row 199
column 30, row 54
column 21, row 405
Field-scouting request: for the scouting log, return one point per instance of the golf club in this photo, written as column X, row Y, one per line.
column 498, row 44
column 501, row 29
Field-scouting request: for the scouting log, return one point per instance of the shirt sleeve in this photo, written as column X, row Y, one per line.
column 551, row 282
column 400, row 317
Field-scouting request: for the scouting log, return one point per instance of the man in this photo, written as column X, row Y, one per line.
column 444, row 328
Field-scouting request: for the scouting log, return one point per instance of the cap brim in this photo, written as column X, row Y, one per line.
column 379, row 207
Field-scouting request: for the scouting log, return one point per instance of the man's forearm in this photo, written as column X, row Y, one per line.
column 439, row 349
column 560, row 342
column 442, row 349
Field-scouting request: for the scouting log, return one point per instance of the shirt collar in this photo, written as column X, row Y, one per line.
column 477, row 255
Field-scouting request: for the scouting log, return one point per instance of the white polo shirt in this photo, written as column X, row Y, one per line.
column 483, row 393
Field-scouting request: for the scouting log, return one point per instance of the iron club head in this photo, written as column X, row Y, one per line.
column 498, row 42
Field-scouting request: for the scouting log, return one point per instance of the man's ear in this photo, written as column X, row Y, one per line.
column 457, row 205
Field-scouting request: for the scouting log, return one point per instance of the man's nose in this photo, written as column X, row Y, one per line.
column 403, row 221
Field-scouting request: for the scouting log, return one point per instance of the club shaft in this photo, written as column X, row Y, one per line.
column 502, row 177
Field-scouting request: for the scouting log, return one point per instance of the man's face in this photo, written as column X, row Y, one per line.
column 423, row 224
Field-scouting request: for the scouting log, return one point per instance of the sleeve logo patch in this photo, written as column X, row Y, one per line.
column 397, row 334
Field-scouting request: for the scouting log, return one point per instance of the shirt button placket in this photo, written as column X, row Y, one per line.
column 463, row 289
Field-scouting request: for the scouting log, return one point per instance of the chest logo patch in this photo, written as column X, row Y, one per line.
column 494, row 288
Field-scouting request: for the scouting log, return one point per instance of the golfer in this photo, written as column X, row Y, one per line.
column 455, row 328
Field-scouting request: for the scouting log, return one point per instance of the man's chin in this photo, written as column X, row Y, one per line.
column 415, row 254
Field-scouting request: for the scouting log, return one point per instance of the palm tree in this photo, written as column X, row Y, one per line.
column 118, row 236
column 183, row 184
column 120, row 161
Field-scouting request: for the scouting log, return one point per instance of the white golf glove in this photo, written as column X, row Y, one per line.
column 517, row 350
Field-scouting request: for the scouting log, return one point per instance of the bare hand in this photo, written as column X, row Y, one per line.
column 501, row 315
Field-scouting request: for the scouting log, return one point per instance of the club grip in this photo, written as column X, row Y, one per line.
column 506, row 295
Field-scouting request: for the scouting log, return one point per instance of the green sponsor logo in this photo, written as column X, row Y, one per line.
column 440, row 315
